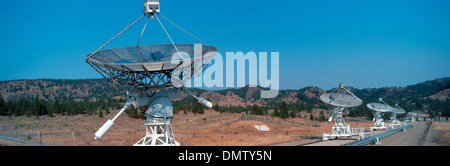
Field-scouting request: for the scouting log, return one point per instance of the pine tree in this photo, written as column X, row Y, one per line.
column 56, row 106
column 42, row 107
column 275, row 112
column 10, row 111
column 36, row 107
column 50, row 113
column 100, row 114
column 255, row 110
column 3, row 109
column 197, row 108
column 130, row 111
column 184, row 107
column 284, row 112
column 216, row 107
column 322, row 117
column 292, row 114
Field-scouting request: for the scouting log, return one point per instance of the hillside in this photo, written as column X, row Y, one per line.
column 63, row 89
column 430, row 96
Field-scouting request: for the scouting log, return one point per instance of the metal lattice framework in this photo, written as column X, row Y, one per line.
column 341, row 98
column 379, row 108
column 160, row 69
column 396, row 110
column 151, row 66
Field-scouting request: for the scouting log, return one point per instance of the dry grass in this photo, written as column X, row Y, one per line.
column 209, row 129
column 444, row 132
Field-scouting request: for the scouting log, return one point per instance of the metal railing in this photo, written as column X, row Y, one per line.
column 421, row 141
column 20, row 141
column 374, row 138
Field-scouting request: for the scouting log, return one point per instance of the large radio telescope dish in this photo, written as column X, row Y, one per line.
column 138, row 66
column 156, row 74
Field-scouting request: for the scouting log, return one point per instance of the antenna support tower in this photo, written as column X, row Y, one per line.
column 342, row 98
column 394, row 121
column 420, row 117
column 156, row 74
column 158, row 132
column 379, row 108
column 413, row 116
column 379, row 122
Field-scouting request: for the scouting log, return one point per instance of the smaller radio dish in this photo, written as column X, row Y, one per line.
column 379, row 107
column 341, row 97
column 413, row 113
column 340, row 100
column 398, row 110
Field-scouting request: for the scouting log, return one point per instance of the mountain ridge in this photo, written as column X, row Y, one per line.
column 428, row 95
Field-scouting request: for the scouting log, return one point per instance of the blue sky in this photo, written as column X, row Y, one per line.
column 365, row 44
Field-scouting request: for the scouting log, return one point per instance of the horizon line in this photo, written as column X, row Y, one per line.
column 216, row 88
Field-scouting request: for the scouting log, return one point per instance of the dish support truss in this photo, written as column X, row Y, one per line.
column 395, row 122
column 158, row 133
column 413, row 118
column 341, row 129
column 159, row 115
column 153, row 88
column 148, row 79
column 379, row 122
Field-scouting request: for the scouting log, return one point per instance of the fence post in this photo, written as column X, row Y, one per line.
column 39, row 137
column 73, row 138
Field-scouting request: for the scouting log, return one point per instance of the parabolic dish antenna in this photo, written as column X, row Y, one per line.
column 416, row 114
column 156, row 74
column 342, row 98
column 413, row 116
column 339, row 98
column 397, row 110
column 413, row 113
column 141, row 66
column 420, row 116
column 379, row 107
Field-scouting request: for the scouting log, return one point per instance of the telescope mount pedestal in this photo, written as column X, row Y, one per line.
column 159, row 118
column 158, row 133
column 395, row 123
column 379, row 122
column 340, row 128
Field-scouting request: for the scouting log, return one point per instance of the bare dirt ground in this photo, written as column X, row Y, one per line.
column 209, row 129
column 442, row 132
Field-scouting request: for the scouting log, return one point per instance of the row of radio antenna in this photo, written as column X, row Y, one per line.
column 157, row 74
column 341, row 98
